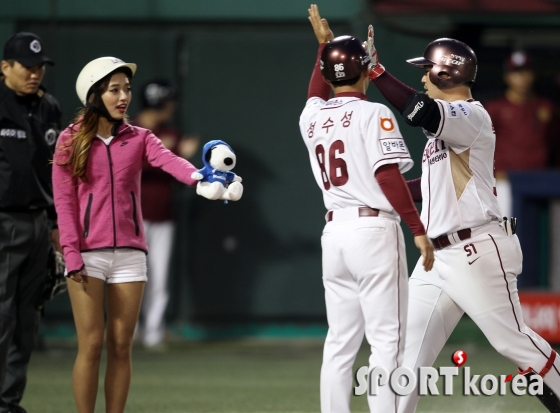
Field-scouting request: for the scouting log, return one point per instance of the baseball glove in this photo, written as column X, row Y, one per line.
column 55, row 281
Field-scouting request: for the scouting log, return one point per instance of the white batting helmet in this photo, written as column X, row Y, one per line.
column 96, row 70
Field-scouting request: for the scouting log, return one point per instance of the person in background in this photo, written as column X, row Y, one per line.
column 523, row 125
column 158, row 103
column 30, row 121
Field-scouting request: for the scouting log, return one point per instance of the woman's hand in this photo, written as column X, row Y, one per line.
column 78, row 276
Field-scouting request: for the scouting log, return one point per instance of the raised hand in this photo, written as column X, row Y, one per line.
column 320, row 26
column 375, row 68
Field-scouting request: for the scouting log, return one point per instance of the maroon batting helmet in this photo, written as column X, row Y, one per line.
column 449, row 56
column 344, row 58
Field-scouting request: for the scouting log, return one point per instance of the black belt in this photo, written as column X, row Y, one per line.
column 362, row 212
column 443, row 240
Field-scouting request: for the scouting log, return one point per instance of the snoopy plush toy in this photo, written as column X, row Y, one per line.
column 215, row 180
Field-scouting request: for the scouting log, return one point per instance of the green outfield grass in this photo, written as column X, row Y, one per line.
column 245, row 376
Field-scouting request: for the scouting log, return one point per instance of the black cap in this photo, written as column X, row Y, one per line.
column 27, row 49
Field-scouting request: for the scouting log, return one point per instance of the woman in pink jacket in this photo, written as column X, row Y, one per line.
column 96, row 179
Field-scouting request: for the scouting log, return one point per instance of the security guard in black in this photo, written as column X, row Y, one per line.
column 29, row 126
column 30, row 121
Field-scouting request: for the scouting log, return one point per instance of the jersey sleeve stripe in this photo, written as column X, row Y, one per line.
column 394, row 157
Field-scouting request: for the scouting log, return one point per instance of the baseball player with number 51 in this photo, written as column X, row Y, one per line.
column 477, row 257
column 357, row 156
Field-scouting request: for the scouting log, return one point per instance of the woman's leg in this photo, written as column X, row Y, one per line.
column 87, row 307
column 123, row 306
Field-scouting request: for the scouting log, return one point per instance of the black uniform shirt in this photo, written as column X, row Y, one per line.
column 29, row 127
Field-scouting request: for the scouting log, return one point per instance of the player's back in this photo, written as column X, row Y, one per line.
column 348, row 138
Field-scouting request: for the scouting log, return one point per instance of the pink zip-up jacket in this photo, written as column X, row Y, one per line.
column 104, row 211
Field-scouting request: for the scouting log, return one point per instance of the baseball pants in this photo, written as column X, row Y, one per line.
column 483, row 285
column 159, row 236
column 24, row 244
column 365, row 279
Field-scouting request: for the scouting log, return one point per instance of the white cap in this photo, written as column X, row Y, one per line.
column 96, row 70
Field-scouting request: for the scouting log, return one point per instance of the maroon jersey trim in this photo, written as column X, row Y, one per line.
column 351, row 94
column 395, row 157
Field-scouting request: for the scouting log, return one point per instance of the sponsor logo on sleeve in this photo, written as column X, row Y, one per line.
column 452, row 111
column 386, row 124
column 393, row 145
column 418, row 106
column 464, row 108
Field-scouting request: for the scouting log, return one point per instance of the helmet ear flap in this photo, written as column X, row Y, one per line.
column 443, row 82
column 434, row 75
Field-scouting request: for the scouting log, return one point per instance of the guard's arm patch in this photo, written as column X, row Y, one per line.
column 421, row 110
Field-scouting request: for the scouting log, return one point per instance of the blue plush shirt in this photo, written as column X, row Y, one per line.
column 208, row 172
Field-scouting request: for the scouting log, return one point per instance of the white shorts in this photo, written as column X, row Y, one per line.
column 119, row 265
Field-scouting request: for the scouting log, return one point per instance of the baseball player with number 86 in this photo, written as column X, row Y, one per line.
column 357, row 155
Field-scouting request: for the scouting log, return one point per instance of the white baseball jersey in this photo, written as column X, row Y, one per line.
column 458, row 170
column 364, row 258
column 348, row 139
column 476, row 276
